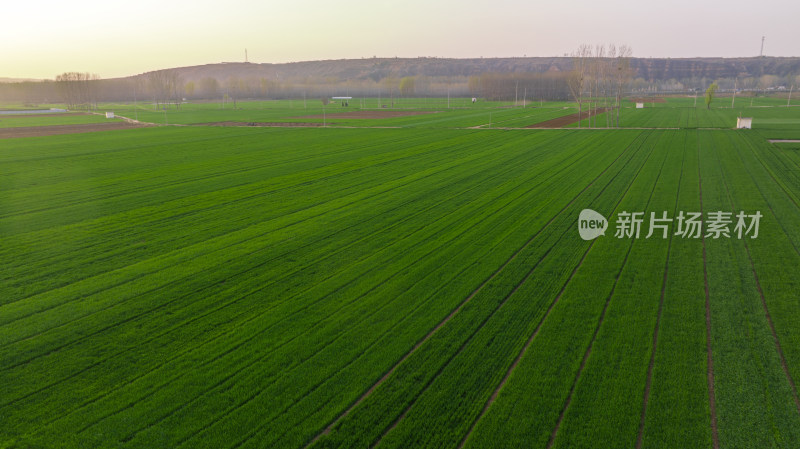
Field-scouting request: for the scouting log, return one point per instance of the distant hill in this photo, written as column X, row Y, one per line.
column 650, row 69
column 433, row 77
column 18, row 80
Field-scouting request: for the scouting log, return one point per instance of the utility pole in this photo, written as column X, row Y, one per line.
column 245, row 55
column 761, row 55
column 524, row 96
column 790, row 96
column 734, row 92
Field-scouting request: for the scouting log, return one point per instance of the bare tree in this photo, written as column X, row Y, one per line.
column 166, row 87
column 391, row 84
column 622, row 75
column 607, row 84
column 209, row 87
column 577, row 78
column 176, row 89
column 596, row 72
column 78, row 90
column 232, row 87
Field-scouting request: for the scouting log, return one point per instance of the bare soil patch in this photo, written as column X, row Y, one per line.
column 568, row 119
column 369, row 114
column 261, row 124
column 53, row 114
column 36, row 131
column 647, row 100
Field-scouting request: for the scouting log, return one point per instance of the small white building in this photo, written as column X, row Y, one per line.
column 639, row 105
column 744, row 123
column 109, row 115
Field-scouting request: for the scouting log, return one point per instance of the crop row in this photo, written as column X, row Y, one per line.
column 509, row 307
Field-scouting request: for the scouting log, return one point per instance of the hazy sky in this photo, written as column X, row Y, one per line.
column 39, row 39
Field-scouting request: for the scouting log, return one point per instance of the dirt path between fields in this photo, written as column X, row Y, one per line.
column 262, row 124
column 647, row 100
column 561, row 122
column 47, row 114
column 368, row 114
column 53, row 130
column 712, row 401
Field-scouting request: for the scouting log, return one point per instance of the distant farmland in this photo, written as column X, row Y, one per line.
column 351, row 286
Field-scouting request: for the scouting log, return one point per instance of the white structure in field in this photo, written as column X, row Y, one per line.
column 109, row 115
column 639, row 105
column 744, row 123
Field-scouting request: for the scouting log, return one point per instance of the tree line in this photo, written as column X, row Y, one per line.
column 600, row 77
column 77, row 90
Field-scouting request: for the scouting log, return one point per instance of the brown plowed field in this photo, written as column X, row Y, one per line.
column 262, row 124
column 567, row 119
column 647, row 100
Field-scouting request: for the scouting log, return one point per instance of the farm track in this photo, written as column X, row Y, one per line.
column 368, row 114
column 710, row 360
column 263, row 124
